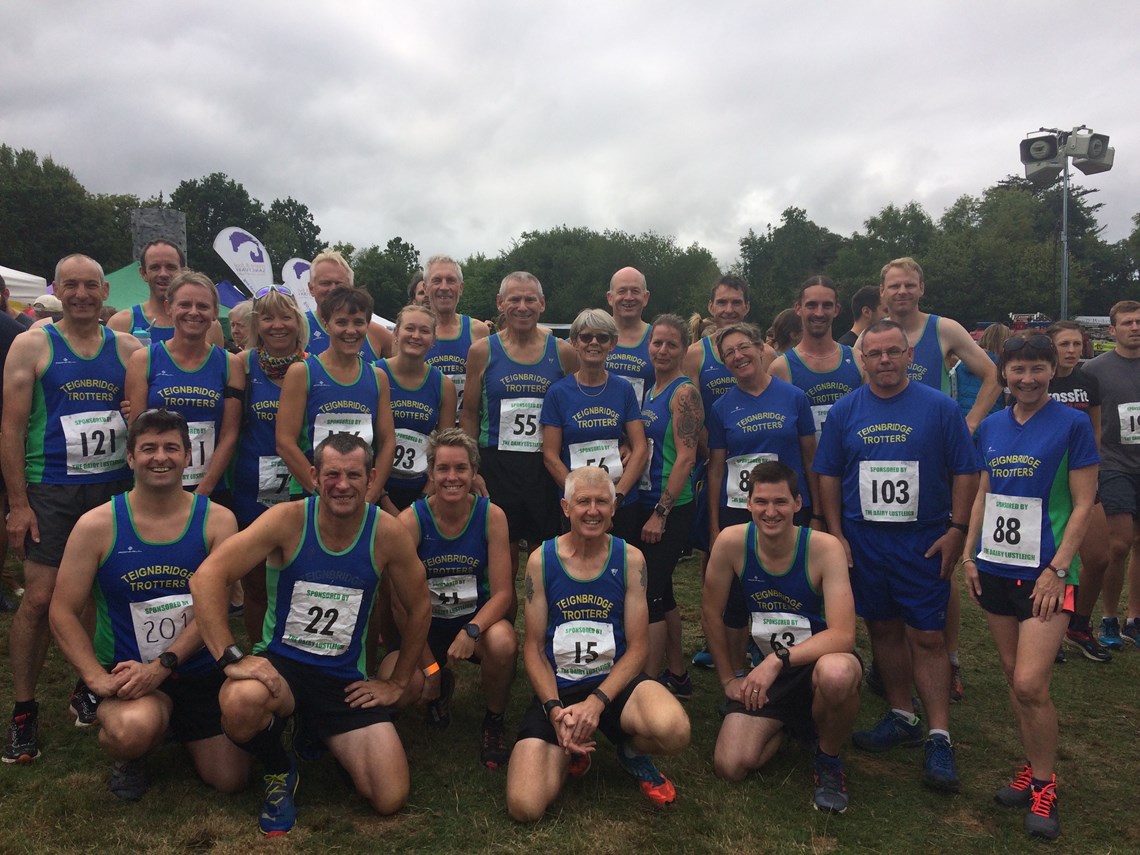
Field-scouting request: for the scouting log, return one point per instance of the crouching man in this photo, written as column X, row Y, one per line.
column 808, row 681
column 586, row 640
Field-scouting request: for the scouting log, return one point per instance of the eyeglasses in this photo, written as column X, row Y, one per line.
column 268, row 289
column 1036, row 341
column 891, row 353
column 591, row 337
column 746, row 347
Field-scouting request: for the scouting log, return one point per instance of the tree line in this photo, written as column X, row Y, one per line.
column 986, row 256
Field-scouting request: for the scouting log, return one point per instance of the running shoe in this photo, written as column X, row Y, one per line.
column 1016, row 792
column 657, row 788
column 279, row 812
column 1060, row 659
column 939, row 772
column 7, row 605
column 890, row 731
column 1089, row 647
column 956, row 687
column 1109, row 634
column 439, row 710
column 1132, row 630
column 703, row 659
column 21, row 746
column 83, row 705
column 128, row 779
column 830, row 785
column 493, row 753
column 1042, row 819
column 681, row 687
column 579, row 765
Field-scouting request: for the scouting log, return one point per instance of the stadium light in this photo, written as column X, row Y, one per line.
column 1046, row 153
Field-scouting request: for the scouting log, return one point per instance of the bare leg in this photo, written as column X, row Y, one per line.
column 535, row 777
column 28, row 641
column 931, row 674
column 745, row 743
column 1120, row 529
column 835, row 686
column 374, row 758
column 1094, row 561
column 892, row 656
column 498, row 649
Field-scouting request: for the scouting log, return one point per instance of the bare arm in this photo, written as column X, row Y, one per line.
column 447, row 404
column 1094, row 415
column 382, row 341
column 830, row 497
column 290, row 419
column 384, row 431
column 500, row 580
column 477, row 357
column 723, row 564
column 807, row 454
column 639, row 456
column 230, row 428
column 714, row 484
column 567, row 356
column 406, row 573
column 535, row 615
column 20, row 370
column 552, row 454
column 121, row 321
column 135, row 390
column 780, row 368
column 966, row 349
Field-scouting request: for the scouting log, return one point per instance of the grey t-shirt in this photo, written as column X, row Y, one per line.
column 1119, row 379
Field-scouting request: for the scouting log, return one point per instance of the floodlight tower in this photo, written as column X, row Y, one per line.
column 1046, row 153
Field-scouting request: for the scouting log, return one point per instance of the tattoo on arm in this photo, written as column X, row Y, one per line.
column 644, row 576
column 690, row 416
column 667, row 500
column 529, row 587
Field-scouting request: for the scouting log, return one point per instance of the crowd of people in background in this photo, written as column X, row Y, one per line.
column 369, row 506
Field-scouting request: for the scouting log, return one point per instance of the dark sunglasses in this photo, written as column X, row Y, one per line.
column 1037, row 341
column 591, row 337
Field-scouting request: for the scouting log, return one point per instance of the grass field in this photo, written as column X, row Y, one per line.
column 61, row 803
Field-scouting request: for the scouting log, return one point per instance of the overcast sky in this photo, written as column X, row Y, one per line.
column 458, row 125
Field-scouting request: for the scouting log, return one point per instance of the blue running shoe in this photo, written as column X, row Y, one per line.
column 681, row 687
column 703, row 659
column 830, row 785
column 939, row 772
column 279, row 812
column 889, row 732
column 1109, row 634
column 1131, row 631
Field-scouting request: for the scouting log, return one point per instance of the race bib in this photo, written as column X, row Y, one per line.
column 736, row 487
column 460, row 381
column 272, row 481
column 411, row 454
column 597, row 452
column 95, row 442
column 819, row 413
column 638, row 384
column 322, row 618
column 203, row 438
column 773, row 630
column 888, row 490
column 1011, row 531
column 326, row 424
column 584, row 649
column 646, row 482
column 159, row 622
column 519, row 428
column 453, row 596
column 1129, row 423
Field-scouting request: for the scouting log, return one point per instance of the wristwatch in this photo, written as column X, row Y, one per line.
column 229, row 656
column 552, row 705
column 1061, row 574
column 472, row 629
column 168, row 660
column 661, row 510
column 785, row 656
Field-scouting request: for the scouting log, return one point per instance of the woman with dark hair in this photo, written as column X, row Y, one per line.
column 337, row 392
column 1036, row 492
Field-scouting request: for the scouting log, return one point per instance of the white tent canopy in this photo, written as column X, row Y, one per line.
column 23, row 288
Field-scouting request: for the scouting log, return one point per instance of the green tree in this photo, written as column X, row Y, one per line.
column 210, row 205
column 291, row 233
column 385, row 273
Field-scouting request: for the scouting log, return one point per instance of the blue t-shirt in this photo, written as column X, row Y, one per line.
column 748, row 426
column 592, row 419
column 896, row 456
column 1029, row 503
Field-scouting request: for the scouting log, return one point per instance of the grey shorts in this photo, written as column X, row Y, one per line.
column 1119, row 492
column 58, row 508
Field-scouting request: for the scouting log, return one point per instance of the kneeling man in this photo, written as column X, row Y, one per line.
column 324, row 559
column 587, row 637
column 792, row 577
column 136, row 554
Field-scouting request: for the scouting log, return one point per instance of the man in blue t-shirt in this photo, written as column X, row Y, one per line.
column 898, row 474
